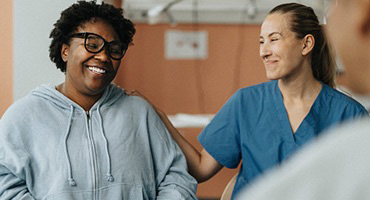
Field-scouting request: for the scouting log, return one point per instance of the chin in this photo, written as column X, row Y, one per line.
column 98, row 85
column 96, row 90
column 272, row 76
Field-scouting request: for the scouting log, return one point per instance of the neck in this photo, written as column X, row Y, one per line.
column 299, row 90
column 300, row 86
column 85, row 101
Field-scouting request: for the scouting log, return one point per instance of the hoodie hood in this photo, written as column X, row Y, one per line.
column 46, row 91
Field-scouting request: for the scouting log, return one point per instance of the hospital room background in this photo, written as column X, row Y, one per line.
column 188, row 57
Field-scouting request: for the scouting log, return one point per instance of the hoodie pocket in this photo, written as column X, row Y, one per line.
column 122, row 191
column 112, row 192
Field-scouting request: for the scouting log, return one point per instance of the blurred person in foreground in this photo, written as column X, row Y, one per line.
column 336, row 166
column 85, row 138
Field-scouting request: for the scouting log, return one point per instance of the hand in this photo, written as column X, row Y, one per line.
column 134, row 93
column 137, row 93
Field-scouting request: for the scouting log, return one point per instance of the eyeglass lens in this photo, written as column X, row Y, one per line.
column 95, row 43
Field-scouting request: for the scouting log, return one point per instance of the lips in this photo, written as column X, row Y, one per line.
column 97, row 70
column 268, row 62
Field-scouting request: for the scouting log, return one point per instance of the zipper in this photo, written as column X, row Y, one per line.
column 93, row 156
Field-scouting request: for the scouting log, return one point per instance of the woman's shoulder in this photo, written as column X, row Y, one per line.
column 18, row 113
column 335, row 98
column 332, row 93
column 24, row 105
column 131, row 102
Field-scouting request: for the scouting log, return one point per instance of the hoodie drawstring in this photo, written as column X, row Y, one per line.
column 71, row 181
column 109, row 175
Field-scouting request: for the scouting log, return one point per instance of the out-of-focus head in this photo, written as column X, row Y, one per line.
column 349, row 31
column 302, row 21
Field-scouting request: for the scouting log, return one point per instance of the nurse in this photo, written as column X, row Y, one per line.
column 338, row 164
column 263, row 125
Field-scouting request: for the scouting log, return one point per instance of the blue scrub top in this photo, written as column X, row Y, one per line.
column 253, row 126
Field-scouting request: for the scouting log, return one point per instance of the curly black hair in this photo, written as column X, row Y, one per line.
column 79, row 13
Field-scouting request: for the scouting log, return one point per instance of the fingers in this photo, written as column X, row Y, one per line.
column 137, row 93
column 133, row 93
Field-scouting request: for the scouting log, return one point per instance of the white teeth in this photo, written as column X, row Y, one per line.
column 97, row 70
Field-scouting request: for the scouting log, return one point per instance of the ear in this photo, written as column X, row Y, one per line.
column 365, row 18
column 64, row 52
column 308, row 44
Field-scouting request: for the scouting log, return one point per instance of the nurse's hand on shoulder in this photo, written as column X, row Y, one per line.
column 201, row 165
column 137, row 93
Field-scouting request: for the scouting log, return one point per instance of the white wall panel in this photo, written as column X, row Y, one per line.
column 33, row 21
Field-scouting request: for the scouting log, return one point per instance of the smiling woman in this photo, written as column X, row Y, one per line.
column 85, row 138
column 335, row 166
column 89, row 71
column 282, row 52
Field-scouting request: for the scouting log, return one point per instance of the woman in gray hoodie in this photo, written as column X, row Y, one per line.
column 85, row 138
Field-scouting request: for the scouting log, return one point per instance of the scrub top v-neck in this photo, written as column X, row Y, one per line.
column 253, row 127
column 307, row 129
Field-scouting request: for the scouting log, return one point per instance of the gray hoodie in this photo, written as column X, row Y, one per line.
column 50, row 148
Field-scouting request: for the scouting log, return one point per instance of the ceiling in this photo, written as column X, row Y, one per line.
column 212, row 11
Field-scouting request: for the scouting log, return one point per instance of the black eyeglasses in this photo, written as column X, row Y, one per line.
column 95, row 43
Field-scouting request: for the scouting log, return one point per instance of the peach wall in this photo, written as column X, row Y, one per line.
column 189, row 86
column 6, row 55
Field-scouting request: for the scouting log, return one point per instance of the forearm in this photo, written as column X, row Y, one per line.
column 201, row 165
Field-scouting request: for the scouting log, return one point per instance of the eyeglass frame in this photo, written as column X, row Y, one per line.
column 85, row 35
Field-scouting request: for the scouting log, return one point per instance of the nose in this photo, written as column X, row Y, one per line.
column 265, row 50
column 103, row 55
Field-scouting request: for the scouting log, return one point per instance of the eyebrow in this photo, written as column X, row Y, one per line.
column 271, row 34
